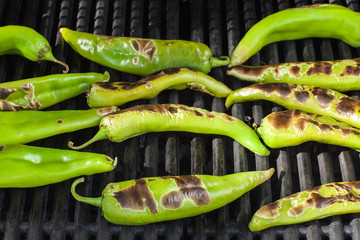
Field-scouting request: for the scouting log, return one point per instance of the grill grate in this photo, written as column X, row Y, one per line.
column 50, row 212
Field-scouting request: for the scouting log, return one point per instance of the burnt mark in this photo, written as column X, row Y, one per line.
column 249, row 70
column 137, row 197
column 172, row 109
column 295, row 71
column 283, row 90
column 349, row 131
column 322, row 95
column 318, row 68
column 145, row 47
column 189, row 187
column 283, row 120
column 6, row 92
column 350, row 71
column 302, row 96
column 59, row 121
column 270, row 210
column 106, row 110
column 347, row 106
column 172, row 71
column 2, row 148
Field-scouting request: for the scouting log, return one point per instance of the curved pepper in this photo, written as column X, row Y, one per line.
column 27, row 43
column 118, row 93
column 156, row 199
column 142, row 119
column 340, row 75
column 315, row 203
column 28, row 126
column 309, row 99
column 41, row 92
column 319, row 20
column 142, row 56
column 294, row 127
column 24, row 166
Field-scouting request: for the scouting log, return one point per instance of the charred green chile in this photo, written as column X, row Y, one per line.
column 155, row 199
column 339, row 75
column 142, row 56
column 118, row 93
column 41, row 92
column 319, row 20
column 141, row 119
column 294, row 127
column 319, row 202
column 28, row 43
column 24, row 166
column 28, row 126
column 309, row 99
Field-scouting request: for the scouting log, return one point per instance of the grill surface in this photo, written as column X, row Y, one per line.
column 50, row 212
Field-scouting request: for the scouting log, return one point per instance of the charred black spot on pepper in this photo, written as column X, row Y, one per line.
column 322, row 96
column 145, row 47
column 249, row 70
column 320, row 68
column 109, row 86
column 2, row 148
column 325, row 127
column 7, row 106
column 276, row 71
column 295, row 71
column 347, row 106
column 282, row 89
column 282, row 120
column 172, row 109
column 349, row 70
column 210, row 115
column 172, row 200
column 228, row 118
column 302, row 96
column 137, row 197
column 6, row 92
column 171, row 71
column 59, row 121
column 197, row 113
column 270, row 210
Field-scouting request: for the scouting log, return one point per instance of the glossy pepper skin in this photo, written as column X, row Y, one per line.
column 28, row 43
column 141, row 56
column 155, row 199
column 319, row 20
column 142, row 119
column 294, row 127
column 315, row 203
column 309, row 99
column 42, row 92
column 339, row 75
column 28, row 126
column 28, row 166
column 118, row 93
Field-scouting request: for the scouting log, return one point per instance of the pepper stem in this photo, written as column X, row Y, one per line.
column 221, row 61
column 92, row 201
column 100, row 135
column 63, row 64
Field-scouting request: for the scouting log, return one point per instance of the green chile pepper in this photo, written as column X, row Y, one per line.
column 319, row 20
column 118, row 93
column 142, row 119
column 28, row 126
column 156, row 199
column 28, row 166
column 41, row 92
column 339, row 75
column 27, row 43
column 294, row 127
column 141, row 56
column 315, row 203
column 309, row 99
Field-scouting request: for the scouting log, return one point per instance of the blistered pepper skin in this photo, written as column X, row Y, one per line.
column 294, row 127
column 142, row 119
column 119, row 93
column 316, row 203
column 309, row 99
column 142, row 56
column 157, row 199
column 27, row 126
column 319, row 20
column 339, row 75
column 28, row 43
column 42, row 92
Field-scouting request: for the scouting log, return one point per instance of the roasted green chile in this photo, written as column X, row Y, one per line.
column 309, row 99
column 42, row 92
column 294, row 127
column 141, row 56
column 28, row 43
column 141, row 119
column 339, row 75
column 118, row 93
column 155, row 199
column 319, row 202
column 24, row 166
column 28, row 126
column 319, row 20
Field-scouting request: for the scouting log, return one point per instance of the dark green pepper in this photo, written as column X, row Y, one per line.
column 141, row 56
column 24, row 166
column 156, row 199
column 142, row 119
column 41, row 92
column 319, row 202
column 309, row 99
column 118, row 93
column 28, row 43
column 28, row 126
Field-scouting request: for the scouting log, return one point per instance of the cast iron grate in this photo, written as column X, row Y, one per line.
column 50, row 212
